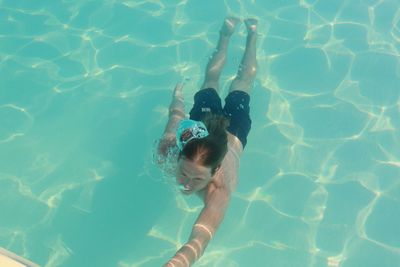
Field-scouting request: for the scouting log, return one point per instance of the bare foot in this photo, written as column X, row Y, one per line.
column 228, row 27
column 251, row 25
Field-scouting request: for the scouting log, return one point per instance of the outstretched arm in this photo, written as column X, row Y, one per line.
column 203, row 230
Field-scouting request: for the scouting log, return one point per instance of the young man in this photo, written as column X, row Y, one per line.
column 211, row 141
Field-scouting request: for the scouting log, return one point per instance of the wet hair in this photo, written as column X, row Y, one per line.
column 209, row 151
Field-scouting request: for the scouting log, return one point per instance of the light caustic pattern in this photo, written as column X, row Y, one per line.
column 319, row 179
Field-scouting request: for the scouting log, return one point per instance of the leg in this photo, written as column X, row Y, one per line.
column 217, row 61
column 248, row 67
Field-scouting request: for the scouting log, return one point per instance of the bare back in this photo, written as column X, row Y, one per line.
column 227, row 176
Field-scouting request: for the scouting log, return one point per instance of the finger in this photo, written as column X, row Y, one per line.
column 179, row 86
column 178, row 90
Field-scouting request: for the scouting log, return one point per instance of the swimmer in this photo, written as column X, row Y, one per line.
column 211, row 141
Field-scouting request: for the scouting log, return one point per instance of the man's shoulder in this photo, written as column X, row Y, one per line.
column 166, row 142
column 216, row 194
column 234, row 145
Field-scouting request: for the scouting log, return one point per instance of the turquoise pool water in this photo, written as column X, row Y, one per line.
column 84, row 91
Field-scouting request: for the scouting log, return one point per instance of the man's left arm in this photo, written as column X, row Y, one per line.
column 203, row 230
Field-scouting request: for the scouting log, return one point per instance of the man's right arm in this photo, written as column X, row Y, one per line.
column 176, row 113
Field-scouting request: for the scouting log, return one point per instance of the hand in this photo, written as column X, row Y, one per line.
column 178, row 91
column 174, row 262
column 169, row 264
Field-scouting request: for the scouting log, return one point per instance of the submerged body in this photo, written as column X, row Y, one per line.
column 208, row 163
column 214, row 190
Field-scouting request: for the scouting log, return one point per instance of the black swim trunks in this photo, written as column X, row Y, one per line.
column 236, row 109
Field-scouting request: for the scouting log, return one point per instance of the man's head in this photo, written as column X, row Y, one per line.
column 201, row 154
column 191, row 176
column 197, row 163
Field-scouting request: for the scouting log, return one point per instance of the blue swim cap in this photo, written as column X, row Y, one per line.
column 189, row 130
